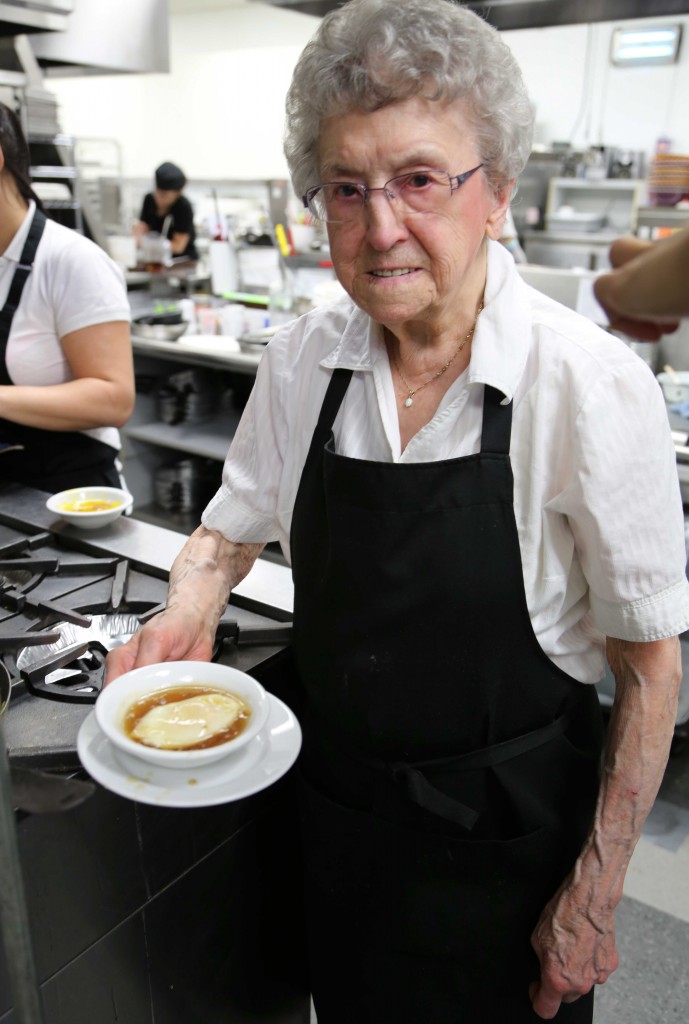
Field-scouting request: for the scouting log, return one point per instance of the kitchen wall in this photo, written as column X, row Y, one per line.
column 580, row 97
column 219, row 112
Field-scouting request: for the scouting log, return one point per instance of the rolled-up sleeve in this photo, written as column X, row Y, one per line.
column 625, row 510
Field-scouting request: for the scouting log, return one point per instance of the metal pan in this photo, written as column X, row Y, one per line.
column 159, row 332
column 254, row 342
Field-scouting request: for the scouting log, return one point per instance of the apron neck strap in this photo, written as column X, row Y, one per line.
column 19, row 279
column 339, row 382
column 497, row 422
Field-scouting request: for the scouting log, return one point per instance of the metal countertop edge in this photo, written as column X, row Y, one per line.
column 268, row 588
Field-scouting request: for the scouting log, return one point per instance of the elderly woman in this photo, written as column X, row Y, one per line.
column 475, row 487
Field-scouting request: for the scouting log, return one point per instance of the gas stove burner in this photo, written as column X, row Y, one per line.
column 11, row 578
column 71, row 668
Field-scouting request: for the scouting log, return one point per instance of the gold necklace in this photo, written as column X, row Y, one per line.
column 409, row 400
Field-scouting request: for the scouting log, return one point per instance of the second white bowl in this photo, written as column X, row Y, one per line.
column 86, row 507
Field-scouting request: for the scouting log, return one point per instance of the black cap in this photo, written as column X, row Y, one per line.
column 170, row 178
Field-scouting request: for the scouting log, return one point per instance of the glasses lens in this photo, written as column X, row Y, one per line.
column 417, row 192
column 316, row 203
column 421, row 191
column 336, row 201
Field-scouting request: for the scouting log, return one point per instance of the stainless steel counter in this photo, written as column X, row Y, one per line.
column 219, row 351
column 267, row 589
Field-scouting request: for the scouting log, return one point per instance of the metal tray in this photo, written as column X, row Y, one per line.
column 159, row 332
column 256, row 341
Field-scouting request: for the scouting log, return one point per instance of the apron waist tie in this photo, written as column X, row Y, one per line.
column 420, row 791
column 423, row 793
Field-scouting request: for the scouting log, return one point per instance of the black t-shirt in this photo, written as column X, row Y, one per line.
column 182, row 222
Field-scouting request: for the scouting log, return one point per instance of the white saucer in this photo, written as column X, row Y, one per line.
column 254, row 767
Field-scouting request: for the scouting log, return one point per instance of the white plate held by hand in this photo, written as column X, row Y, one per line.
column 254, row 767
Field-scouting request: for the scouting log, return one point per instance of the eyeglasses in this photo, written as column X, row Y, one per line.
column 426, row 191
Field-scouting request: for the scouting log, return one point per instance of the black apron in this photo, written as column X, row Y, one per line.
column 50, row 460
column 450, row 769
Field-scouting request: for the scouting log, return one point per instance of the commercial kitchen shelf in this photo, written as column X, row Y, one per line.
column 210, row 440
column 658, row 221
column 53, row 171
column 220, row 352
column 308, row 261
column 52, row 161
column 60, row 204
column 617, row 199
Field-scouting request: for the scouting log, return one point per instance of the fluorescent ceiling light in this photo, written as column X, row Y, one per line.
column 656, row 45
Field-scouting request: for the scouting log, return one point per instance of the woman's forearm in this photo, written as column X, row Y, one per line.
column 202, row 576
column 209, row 567
column 575, row 937
column 101, row 392
column 639, row 734
column 178, row 243
column 75, row 405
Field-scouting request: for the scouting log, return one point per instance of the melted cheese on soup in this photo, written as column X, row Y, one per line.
column 189, row 722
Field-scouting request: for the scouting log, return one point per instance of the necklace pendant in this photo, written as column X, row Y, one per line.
column 408, row 401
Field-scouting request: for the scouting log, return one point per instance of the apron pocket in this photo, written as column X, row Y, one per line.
column 473, row 902
column 554, row 784
column 422, row 915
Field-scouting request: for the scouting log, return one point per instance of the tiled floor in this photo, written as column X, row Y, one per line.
column 651, row 986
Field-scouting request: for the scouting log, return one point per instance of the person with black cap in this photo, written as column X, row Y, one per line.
column 167, row 204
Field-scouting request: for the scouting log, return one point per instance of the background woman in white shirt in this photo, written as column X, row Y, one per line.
column 66, row 371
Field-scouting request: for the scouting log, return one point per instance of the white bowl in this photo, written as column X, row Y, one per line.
column 675, row 386
column 114, row 700
column 61, row 504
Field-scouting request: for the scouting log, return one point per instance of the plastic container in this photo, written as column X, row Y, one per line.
column 675, row 386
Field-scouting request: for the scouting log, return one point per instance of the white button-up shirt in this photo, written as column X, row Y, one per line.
column 596, row 492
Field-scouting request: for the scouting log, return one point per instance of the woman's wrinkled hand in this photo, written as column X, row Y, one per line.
column 576, row 949
column 173, row 635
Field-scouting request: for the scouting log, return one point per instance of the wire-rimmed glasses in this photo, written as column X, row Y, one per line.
column 423, row 191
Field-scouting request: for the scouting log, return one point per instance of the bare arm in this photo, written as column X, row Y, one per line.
column 178, row 242
column 575, row 937
column 647, row 292
column 202, row 576
column 101, row 395
column 139, row 230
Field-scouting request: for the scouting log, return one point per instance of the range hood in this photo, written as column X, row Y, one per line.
column 23, row 16
column 511, row 14
column 107, row 37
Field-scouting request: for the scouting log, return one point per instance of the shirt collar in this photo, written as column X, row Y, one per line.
column 361, row 340
column 501, row 339
column 14, row 249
